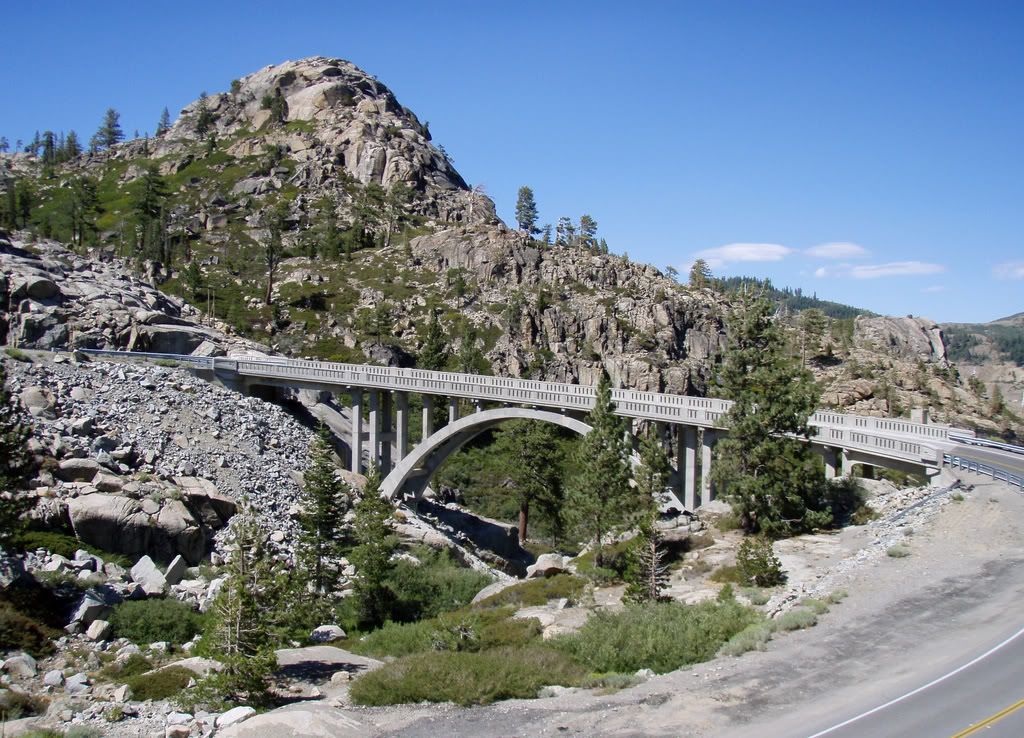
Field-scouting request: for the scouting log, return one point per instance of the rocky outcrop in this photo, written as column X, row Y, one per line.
column 902, row 338
column 90, row 303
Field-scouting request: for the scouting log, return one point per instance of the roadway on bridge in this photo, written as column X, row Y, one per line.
column 1004, row 460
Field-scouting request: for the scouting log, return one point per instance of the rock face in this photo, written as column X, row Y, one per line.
column 334, row 123
column 902, row 338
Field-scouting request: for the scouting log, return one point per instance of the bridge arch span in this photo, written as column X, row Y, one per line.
column 413, row 473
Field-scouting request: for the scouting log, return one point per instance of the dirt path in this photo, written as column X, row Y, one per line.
column 960, row 588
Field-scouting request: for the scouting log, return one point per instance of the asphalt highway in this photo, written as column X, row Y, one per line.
column 1003, row 459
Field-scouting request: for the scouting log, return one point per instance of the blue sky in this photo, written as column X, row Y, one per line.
column 867, row 152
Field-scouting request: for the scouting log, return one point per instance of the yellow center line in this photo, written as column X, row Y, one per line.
column 991, row 720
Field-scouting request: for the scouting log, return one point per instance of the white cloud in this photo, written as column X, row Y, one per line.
column 874, row 271
column 837, row 250
column 735, row 252
column 895, row 269
column 1009, row 270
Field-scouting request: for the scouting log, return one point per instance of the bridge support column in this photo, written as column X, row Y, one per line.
column 357, row 432
column 428, row 417
column 829, row 454
column 373, row 440
column 386, row 433
column 686, row 464
column 402, row 424
column 707, row 493
column 453, row 409
column 847, row 466
column 478, row 406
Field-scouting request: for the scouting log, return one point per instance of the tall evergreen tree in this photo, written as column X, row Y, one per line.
column 5, row 145
column 148, row 203
column 647, row 574
column 323, row 503
column 237, row 632
column 273, row 247
column 436, row 351
column 767, row 470
column 164, row 124
column 109, row 132
column 16, row 463
column 526, row 211
column 598, row 497
column 700, row 274
column 588, row 231
column 204, row 116
column 374, row 535
column 565, row 232
column 534, row 460
column 72, row 148
column 812, row 327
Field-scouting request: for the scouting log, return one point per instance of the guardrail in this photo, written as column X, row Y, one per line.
column 984, row 442
column 995, row 472
column 203, row 361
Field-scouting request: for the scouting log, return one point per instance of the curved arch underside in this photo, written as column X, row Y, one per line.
column 413, row 473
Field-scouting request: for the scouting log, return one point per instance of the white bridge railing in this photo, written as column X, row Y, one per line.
column 889, row 437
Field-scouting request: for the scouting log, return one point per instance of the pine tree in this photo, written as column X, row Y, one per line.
column 526, row 211
column 16, row 463
column 598, row 497
column 164, row 123
column 149, row 203
column 588, row 231
column 204, row 116
column 72, row 148
column 393, row 210
column 565, row 232
column 812, row 327
column 323, row 503
column 373, row 533
column 534, row 459
column 109, row 132
column 5, row 145
column 700, row 274
column 435, row 352
column 273, row 247
column 769, row 476
column 647, row 574
column 238, row 633
column 546, row 234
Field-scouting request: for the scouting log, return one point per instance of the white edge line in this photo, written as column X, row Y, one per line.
column 930, row 684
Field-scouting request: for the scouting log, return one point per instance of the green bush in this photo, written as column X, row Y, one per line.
column 535, row 592
column 614, row 562
column 818, row 607
column 836, row 597
column 18, row 632
column 754, row 637
column 147, row 621
column 462, row 630
column 727, row 574
column 899, row 551
column 15, row 705
column 796, row 620
column 438, row 584
column 661, row 637
column 467, row 678
column 133, row 666
column 65, row 545
column 756, row 596
column 757, row 564
column 159, row 685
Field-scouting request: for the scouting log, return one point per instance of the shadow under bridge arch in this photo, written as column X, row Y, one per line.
column 412, row 474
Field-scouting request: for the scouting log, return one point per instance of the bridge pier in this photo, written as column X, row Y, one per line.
column 453, row 409
column 686, row 464
column 386, row 433
column 373, row 428
column 831, row 462
column 356, row 443
column 401, row 424
column 428, row 416
column 707, row 493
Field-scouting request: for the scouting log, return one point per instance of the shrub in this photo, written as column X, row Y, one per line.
column 609, row 683
column 535, row 592
column 18, row 632
column 146, row 621
column 467, row 678
column 133, row 666
column 18, row 355
column 847, row 500
column 661, row 637
column 818, row 607
column 756, row 596
column 15, row 705
column 836, row 597
column 899, row 551
column 796, row 620
column 727, row 574
column 754, row 637
column 757, row 563
column 438, row 584
column 615, row 560
column 159, row 685
column 65, row 545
